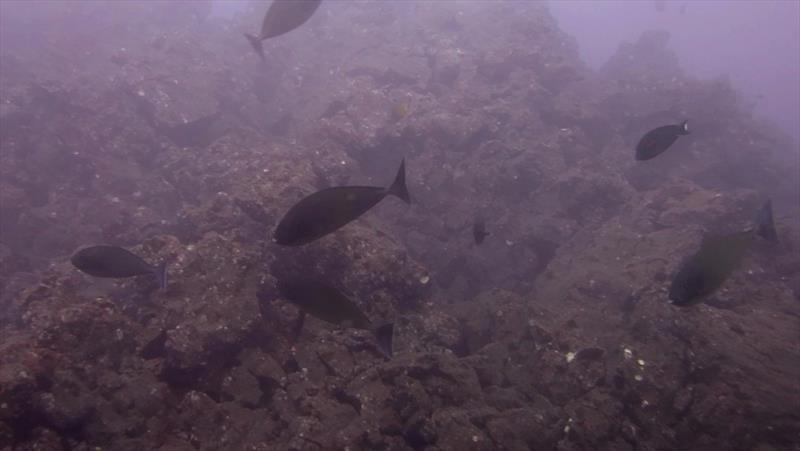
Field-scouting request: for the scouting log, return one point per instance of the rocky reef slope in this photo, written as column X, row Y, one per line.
column 171, row 138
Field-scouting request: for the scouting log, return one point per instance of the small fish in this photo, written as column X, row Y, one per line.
column 479, row 231
column 704, row 272
column 282, row 17
column 115, row 262
column 658, row 140
column 327, row 303
column 330, row 209
column 399, row 111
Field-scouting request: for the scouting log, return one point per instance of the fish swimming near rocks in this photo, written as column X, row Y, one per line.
column 656, row 141
column 479, row 232
column 704, row 272
column 332, row 208
column 116, row 263
column 327, row 303
column 282, row 17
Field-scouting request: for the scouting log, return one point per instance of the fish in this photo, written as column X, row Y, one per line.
column 330, row 209
column 282, row 17
column 766, row 223
column 479, row 231
column 659, row 139
column 116, row 262
column 325, row 302
column 700, row 275
column 399, row 111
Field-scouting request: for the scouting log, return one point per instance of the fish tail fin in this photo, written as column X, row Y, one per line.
column 297, row 328
column 383, row 334
column 257, row 45
column 765, row 224
column 685, row 127
column 398, row 187
column 161, row 275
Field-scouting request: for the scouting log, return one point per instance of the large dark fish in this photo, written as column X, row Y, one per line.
column 325, row 302
column 332, row 208
column 479, row 231
column 282, row 17
column 704, row 272
column 658, row 140
column 116, row 262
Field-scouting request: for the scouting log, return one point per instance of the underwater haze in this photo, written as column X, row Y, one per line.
column 405, row 225
column 756, row 44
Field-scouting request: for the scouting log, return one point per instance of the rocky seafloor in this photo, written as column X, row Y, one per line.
column 170, row 137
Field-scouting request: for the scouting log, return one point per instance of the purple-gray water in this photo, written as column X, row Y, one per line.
column 754, row 43
column 593, row 244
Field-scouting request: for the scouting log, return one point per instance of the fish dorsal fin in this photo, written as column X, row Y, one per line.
column 398, row 187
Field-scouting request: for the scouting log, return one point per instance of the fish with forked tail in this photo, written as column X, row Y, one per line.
column 327, row 303
column 656, row 141
column 282, row 17
column 332, row 208
column 704, row 272
column 116, row 262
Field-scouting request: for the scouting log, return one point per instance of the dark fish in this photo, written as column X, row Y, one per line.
column 658, row 140
column 329, row 304
column 116, row 262
column 332, row 208
column 282, row 17
column 479, row 231
column 765, row 223
column 704, row 272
